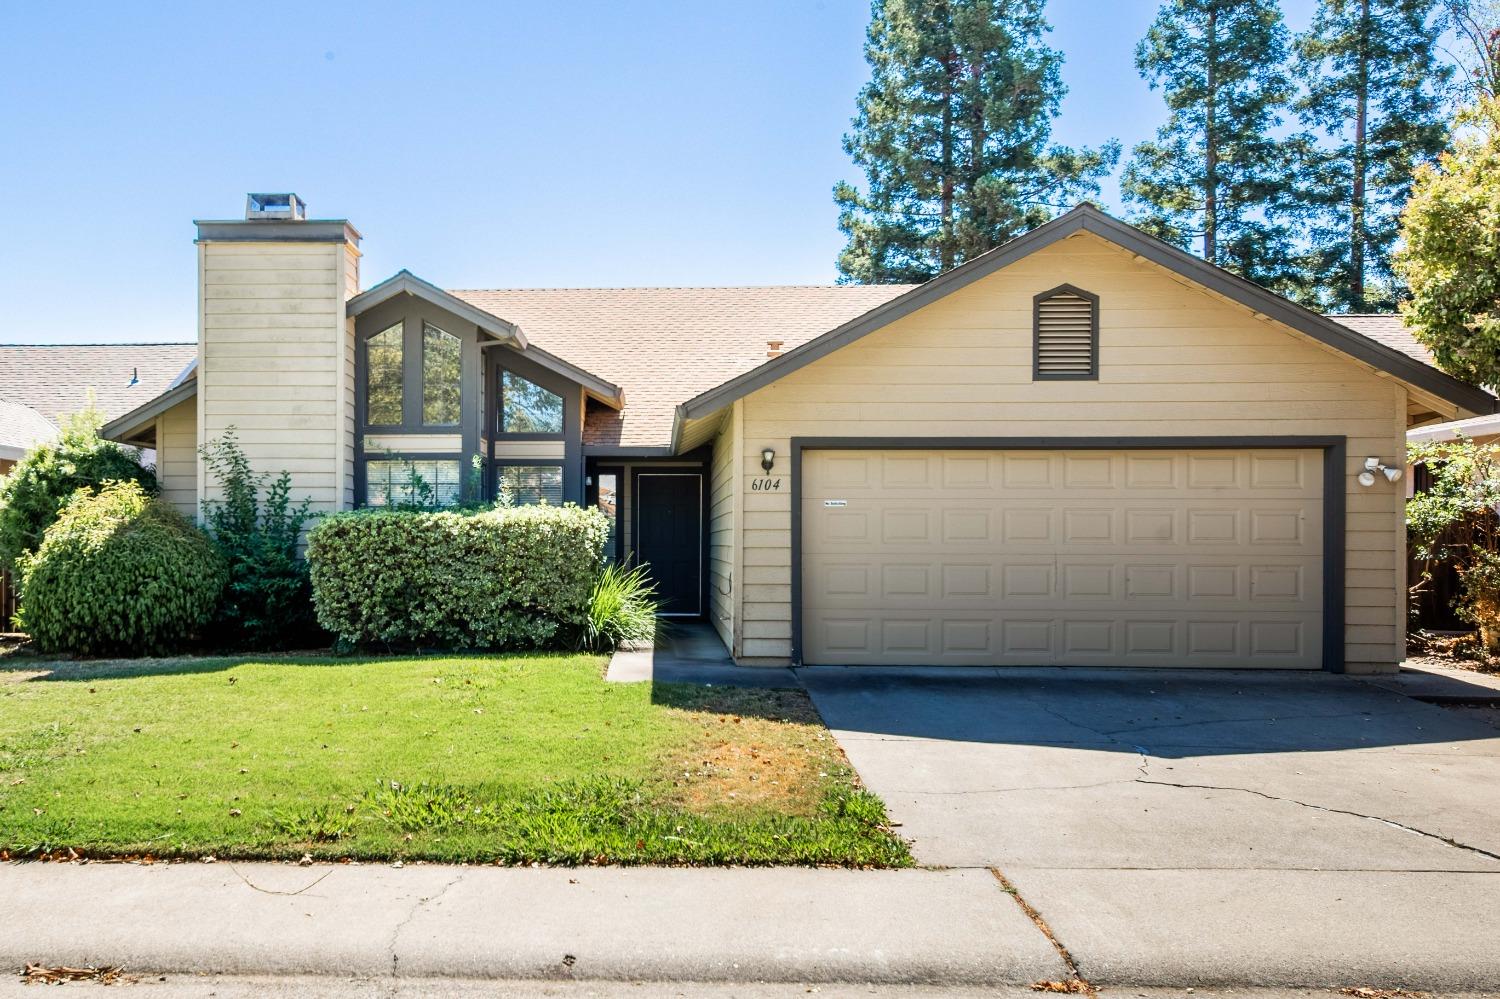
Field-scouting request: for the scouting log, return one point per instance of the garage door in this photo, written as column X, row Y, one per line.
column 1097, row 558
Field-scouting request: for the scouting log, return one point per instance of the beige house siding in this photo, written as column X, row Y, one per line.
column 274, row 361
column 177, row 456
column 723, row 517
column 1175, row 360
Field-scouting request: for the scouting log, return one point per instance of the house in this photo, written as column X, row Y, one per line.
column 1084, row 447
column 45, row 382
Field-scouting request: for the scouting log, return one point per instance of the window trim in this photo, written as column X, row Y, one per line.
column 1037, row 375
column 500, row 433
column 364, row 346
column 498, row 463
column 428, row 324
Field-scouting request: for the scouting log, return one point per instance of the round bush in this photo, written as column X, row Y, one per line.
column 119, row 573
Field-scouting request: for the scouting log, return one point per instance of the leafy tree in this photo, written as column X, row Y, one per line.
column 953, row 134
column 1454, row 521
column 1450, row 257
column 267, row 603
column 1217, row 174
column 35, row 491
column 1475, row 24
column 1373, row 83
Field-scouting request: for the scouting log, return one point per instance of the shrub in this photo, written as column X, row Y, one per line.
column 506, row 578
column 34, row 492
column 1455, row 521
column 622, row 608
column 119, row 573
column 268, row 601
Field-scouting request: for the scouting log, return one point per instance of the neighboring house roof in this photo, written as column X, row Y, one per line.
column 55, row 379
column 21, row 429
column 1387, row 328
column 1086, row 218
column 664, row 345
column 1477, row 427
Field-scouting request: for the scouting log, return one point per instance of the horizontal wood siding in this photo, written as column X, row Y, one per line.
column 276, row 361
column 177, row 456
column 1174, row 360
column 722, row 517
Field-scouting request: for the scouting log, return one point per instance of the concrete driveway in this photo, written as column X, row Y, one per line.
column 1213, row 817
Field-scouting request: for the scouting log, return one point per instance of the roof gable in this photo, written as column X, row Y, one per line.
column 1086, row 218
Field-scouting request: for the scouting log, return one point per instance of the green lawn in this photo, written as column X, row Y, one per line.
column 508, row 759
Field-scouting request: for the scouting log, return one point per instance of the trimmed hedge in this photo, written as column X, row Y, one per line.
column 119, row 573
column 504, row 578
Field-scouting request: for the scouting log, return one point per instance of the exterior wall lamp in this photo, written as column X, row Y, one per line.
column 767, row 458
column 1373, row 466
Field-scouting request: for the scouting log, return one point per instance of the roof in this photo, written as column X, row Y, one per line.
column 1087, row 218
column 664, row 345
column 55, row 379
column 1387, row 328
column 21, row 429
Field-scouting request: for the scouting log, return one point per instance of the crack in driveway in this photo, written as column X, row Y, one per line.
column 415, row 909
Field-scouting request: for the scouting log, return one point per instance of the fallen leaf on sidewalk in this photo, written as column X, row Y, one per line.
column 105, row 975
column 1363, row 992
column 1073, row 986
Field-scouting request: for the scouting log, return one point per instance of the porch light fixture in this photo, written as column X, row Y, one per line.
column 1374, row 465
column 767, row 458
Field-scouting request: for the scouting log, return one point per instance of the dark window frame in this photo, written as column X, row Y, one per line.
column 362, row 476
column 591, row 499
column 364, row 363
column 1037, row 374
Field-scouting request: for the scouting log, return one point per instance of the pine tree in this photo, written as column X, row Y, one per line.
column 953, row 133
column 1218, row 178
column 1373, row 85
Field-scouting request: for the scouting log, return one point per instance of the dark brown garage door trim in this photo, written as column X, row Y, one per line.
column 1333, row 448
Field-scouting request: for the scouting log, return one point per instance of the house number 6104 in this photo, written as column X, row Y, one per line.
column 765, row 485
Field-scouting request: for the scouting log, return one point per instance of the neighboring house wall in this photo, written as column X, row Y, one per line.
column 723, row 521
column 274, row 359
column 1175, row 361
column 177, row 456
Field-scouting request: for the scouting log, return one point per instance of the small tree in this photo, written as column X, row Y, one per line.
column 1451, row 256
column 35, row 491
column 268, row 601
column 1456, row 521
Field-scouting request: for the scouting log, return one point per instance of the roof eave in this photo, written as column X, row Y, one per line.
column 125, row 427
column 404, row 282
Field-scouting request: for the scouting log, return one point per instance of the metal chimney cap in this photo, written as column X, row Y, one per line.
column 275, row 207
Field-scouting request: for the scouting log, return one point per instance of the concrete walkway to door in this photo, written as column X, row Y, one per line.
column 1172, row 826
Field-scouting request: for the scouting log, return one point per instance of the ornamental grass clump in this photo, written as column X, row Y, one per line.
column 515, row 578
column 622, row 609
column 119, row 573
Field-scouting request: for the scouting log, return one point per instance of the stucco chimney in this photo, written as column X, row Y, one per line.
column 275, row 351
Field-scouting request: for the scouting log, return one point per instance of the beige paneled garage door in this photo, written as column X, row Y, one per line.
column 1099, row 558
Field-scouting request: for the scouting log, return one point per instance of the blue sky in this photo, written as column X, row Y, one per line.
column 485, row 144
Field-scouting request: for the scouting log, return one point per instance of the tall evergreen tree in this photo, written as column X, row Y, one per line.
column 1373, row 88
column 953, row 133
column 1217, row 178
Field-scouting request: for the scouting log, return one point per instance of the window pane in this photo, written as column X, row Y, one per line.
column 527, row 408
column 387, row 482
column 609, row 496
column 440, row 376
column 383, row 378
column 529, row 485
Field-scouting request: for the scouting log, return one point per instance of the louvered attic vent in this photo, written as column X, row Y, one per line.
column 1066, row 335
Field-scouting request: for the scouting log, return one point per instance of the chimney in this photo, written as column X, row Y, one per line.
column 275, row 350
column 773, row 348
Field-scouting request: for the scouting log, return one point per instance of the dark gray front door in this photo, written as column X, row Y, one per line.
column 669, row 537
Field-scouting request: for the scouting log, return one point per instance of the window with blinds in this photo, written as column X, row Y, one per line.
column 1065, row 335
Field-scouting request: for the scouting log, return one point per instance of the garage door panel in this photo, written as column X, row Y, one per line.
column 1147, row 558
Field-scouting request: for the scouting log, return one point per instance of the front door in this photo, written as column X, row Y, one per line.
column 669, row 537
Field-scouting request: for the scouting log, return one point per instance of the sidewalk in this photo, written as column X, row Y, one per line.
column 653, row 924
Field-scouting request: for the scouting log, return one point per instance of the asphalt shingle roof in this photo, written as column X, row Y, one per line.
column 55, row 379
column 665, row 345
column 1387, row 328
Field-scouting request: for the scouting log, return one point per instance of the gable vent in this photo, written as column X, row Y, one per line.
column 1066, row 334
